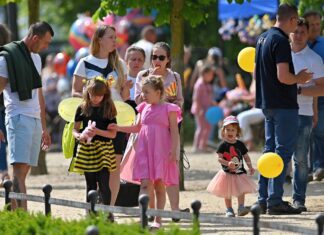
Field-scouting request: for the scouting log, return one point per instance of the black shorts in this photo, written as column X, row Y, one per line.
column 120, row 143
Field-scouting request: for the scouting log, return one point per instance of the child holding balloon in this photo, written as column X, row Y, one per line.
column 232, row 180
column 202, row 99
column 97, row 158
column 156, row 144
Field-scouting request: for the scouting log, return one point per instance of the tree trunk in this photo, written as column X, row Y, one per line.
column 177, row 34
column 33, row 16
column 33, row 11
column 11, row 13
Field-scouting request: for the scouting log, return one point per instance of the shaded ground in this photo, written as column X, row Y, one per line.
column 203, row 168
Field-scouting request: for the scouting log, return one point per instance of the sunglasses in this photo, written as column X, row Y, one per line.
column 160, row 57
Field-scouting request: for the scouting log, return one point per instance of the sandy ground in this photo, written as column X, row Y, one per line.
column 202, row 168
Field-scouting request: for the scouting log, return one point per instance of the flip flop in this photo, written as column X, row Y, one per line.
column 183, row 210
column 155, row 226
column 5, row 176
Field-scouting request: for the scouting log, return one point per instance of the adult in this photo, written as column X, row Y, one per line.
column 315, row 40
column 214, row 57
column 104, row 61
column 24, row 102
column 303, row 57
column 276, row 95
column 4, row 39
column 134, row 58
column 148, row 38
column 249, row 117
column 316, row 43
column 161, row 65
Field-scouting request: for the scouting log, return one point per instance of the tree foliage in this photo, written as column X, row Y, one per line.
column 305, row 5
column 193, row 12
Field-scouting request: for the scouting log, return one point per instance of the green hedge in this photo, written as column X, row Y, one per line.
column 23, row 223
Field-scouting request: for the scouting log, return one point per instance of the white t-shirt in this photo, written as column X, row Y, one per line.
column 132, row 90
column 309, row 59
column 82, row 71
column 13, row 105
column 147, row 47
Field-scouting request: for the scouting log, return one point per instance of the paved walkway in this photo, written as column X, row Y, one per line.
column 203, row 168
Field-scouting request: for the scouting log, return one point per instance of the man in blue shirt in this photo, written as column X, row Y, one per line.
column 276, row 95
column 316, row 43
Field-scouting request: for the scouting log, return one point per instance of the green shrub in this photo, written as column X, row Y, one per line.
column 23, row 223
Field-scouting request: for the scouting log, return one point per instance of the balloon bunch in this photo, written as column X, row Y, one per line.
column 127, row 29
column 81, row 32
column 247, row 29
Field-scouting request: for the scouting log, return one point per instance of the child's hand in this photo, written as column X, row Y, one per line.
column 128, row 84
column 251, row 171
column 113, row 126
column 231, row 165
column 82, row 139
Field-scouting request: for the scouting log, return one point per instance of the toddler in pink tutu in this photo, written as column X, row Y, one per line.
column 232, row 180
column 155, row 150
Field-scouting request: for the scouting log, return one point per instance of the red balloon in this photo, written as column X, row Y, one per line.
column 60, row 61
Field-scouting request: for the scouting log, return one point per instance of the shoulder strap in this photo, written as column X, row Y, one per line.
column 103, row 71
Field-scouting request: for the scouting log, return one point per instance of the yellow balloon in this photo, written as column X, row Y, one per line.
column 67, row 108
column 246, row 58
column 125, row 113
column 270, row 165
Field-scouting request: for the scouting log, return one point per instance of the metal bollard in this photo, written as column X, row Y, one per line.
column 143, row 202
column 320, row 222
column 256, row 210
column 47, row 189
column 93, row 198
column 92, row 230
column 196, row 205
column 7, row 184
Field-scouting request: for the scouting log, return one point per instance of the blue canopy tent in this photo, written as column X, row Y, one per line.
column 247, row 9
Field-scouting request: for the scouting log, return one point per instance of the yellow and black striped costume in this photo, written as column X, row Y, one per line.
column 100, row 152
column 94, row 156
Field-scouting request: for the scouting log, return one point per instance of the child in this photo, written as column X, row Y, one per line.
column 96, row 159
column 156, row 144
column 201, row 101
column 232, row 179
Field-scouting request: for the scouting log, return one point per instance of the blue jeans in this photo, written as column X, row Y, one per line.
column 300, row 158
column 3, row 145
column 281, row 127
column 317, row 139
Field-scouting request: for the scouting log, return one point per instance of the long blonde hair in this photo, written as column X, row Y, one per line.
column 98, row 87
column 113, row 57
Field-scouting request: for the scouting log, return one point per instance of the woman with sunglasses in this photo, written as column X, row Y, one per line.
column 161, row 65
column 104, row 61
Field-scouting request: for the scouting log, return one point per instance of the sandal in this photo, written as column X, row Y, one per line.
column 183, row 210
column 155, row 226
column 5, row 176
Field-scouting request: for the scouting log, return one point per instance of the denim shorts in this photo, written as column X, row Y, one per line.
column 24, row 139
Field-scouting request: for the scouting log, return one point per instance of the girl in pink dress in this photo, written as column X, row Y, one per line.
column 202, row 99
column 157, row 141
column 232, row 180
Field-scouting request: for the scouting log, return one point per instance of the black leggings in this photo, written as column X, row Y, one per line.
column 101, row 179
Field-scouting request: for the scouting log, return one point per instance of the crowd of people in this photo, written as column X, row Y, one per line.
column 288, row 78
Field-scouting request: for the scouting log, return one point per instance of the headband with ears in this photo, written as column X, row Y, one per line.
column 109, row 82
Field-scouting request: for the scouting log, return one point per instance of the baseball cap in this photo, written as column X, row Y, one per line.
column 230, row 120
column 215, row 51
